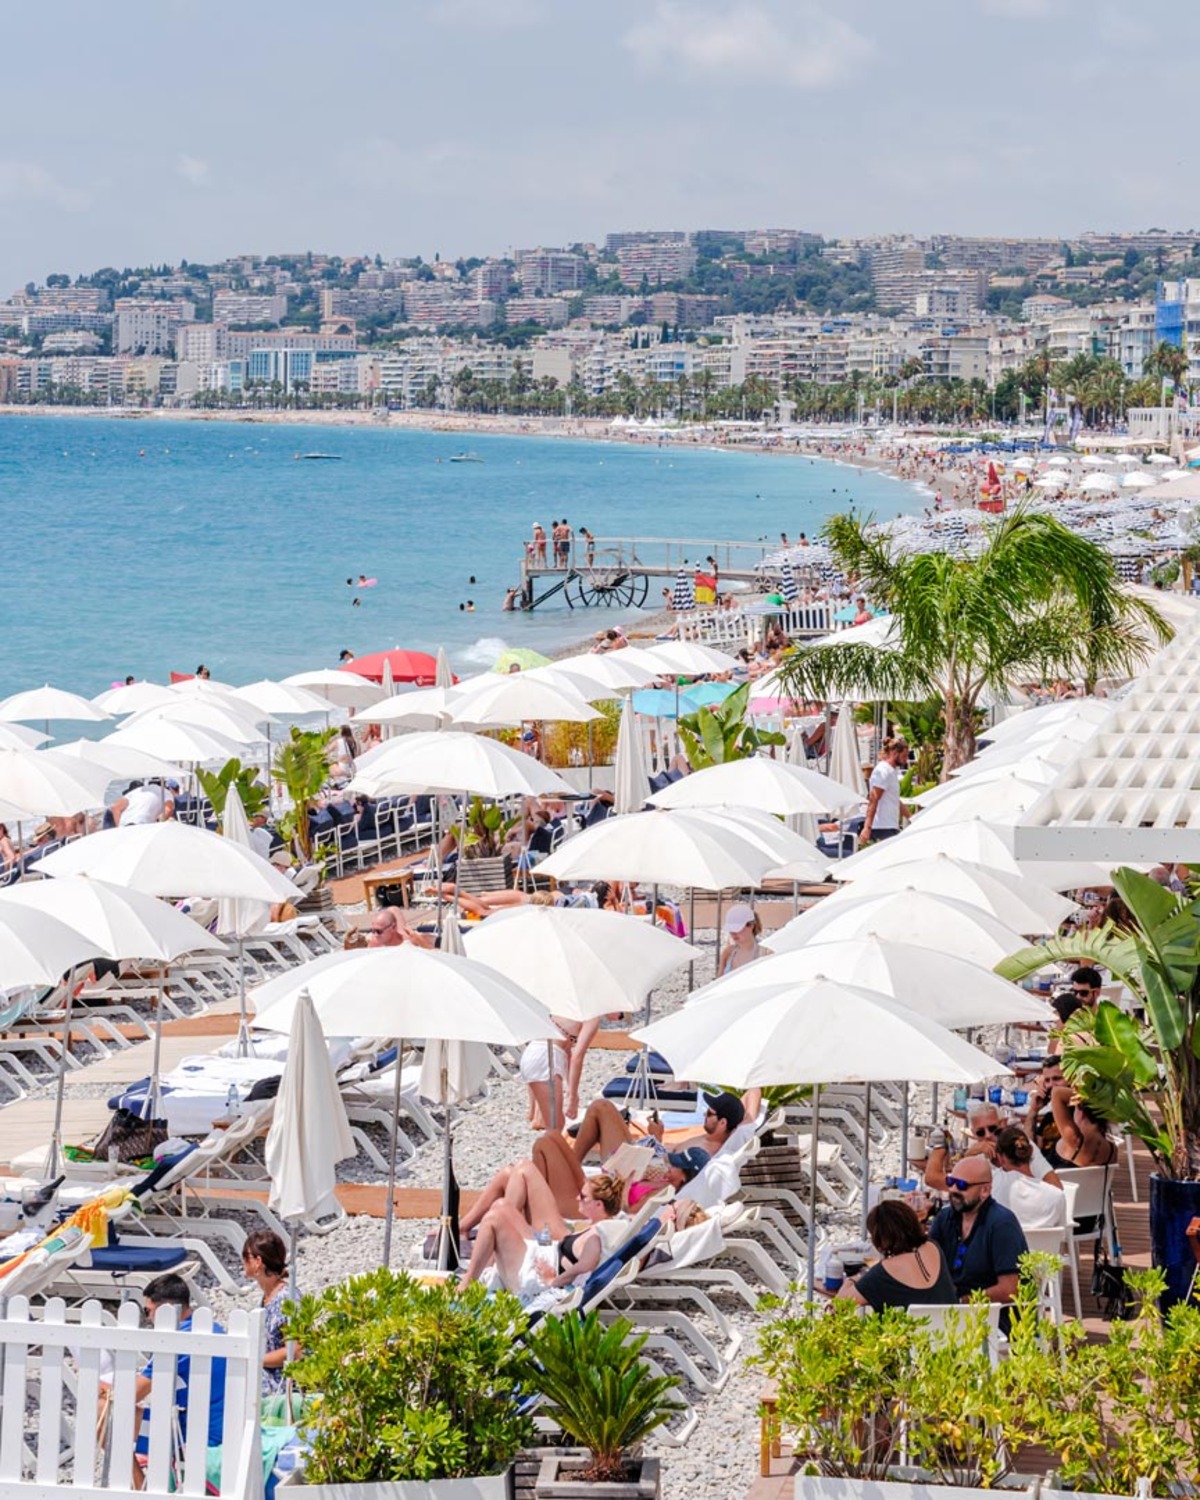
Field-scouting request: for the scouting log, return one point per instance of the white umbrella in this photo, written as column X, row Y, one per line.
column 596, row 676
column 450, row 761
column 1162, row 458
column 1015, row 900
column 1096, row 461
column 132, row 697
column 233, row 721
column 202, row 687
column 1051, row 481
column 1030, row 721
column 280, row 700
column 405, row 992
column 1001, row 800
column 21, row 737
column 1030, row 768
column 35, row 947
column 46, row 703
column 114, row 922
column 1135, row 481
column 386, row 681
column 343, row 689
column 423, row 708
column 769, row 786
column 692, row 848
column 687, row 657
column 172, row 859
column 946, row 989
column 49, row 783
column 631, row 777
column 1097, row 484
column 908, row 916
column 171, row 740
column 845, row 758
column 309, row 1132
column 119, row 761
column 1058, row 461
column 493, row 700
column 443, row 677
column 239, row 918
column 578, row 962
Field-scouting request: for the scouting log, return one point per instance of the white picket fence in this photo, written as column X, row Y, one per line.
column 64, row 1372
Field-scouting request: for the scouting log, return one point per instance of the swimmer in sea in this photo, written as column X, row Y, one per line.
column 510, row 601
column 470, row 606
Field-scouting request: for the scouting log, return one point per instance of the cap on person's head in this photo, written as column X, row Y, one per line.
column 727, row 1107
column 171, row 784
column 738, row 916
column 690, row 1162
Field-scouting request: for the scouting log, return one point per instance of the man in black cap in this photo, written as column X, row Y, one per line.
column 604, row 1128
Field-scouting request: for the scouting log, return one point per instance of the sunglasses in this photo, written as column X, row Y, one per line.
column 1083, row 989
column 960, row 1183
column 981, row 1130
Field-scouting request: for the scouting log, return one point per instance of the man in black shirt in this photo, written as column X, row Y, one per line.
column 980, row 1238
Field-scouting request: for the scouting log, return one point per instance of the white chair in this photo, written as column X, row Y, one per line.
column 945, row 1316
column 1055, row 1241
column 1089, row 1197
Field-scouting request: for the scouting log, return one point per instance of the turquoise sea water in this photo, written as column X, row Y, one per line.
column 151, row 546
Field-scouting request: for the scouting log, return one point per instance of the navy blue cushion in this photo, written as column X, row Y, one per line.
column 656, row 1062
column 138, row 1258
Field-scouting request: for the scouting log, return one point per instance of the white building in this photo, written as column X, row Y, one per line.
column 144, row 327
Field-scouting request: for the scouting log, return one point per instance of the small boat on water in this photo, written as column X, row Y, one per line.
column 465, row 458
column 327, row 457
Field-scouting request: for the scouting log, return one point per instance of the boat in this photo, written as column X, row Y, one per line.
column 328, row 457
column 465, row 458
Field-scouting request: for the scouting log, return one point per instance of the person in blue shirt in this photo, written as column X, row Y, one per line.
column 980, row 1238
column 172, row 1290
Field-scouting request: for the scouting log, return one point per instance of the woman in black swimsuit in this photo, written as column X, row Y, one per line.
column 508, row 1236
column 1083, row 1140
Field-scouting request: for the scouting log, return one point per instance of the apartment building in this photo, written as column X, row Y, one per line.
column 896, row 267
column 361, row 302
column 549, row 272
column 240, row 343
column 551, row 312
column 655, row 261
column 202, row 343
column 431, row 306
column 148, row 327
column 492, row 281
column 239, row 309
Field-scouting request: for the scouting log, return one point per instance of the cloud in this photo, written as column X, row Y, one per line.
column 193, row 169
column 491, row 15
column 745, row 43
column 1022, row 10
column 27, row 182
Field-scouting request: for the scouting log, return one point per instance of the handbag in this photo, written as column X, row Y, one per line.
column 1109, row 1287
column 129, row 1137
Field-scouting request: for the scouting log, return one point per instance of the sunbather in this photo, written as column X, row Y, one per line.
column 604, row 1128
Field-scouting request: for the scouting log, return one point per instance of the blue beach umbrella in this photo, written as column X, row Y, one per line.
column 787, row 585
column 705, row 694
column 683, row 596
column 654, row 703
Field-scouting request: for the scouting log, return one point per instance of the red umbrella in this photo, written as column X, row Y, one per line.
column 407, row 666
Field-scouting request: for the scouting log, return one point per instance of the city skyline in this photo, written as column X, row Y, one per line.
column 471, row 127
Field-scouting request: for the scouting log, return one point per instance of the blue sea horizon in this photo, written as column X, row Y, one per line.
column 147, row 547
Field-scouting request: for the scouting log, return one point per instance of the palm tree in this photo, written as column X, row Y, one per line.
column 1167, row 362
column 1037, row 601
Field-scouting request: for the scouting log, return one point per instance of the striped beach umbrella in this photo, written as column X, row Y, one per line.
column 787, row 582
column 683, row 596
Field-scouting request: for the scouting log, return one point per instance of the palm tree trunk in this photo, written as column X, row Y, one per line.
column 958, row 744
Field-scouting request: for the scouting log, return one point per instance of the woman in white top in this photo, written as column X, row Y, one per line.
column 1036, row 1203
column 742, row 927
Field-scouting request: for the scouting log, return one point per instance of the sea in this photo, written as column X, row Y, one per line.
column 151, row 546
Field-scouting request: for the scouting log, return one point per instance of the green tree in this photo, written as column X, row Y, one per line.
column 1167, row 362
column 714, row 735
column 1037, row 601
column 301, row 765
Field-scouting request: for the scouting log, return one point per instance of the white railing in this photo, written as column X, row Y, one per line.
column 79, row 1380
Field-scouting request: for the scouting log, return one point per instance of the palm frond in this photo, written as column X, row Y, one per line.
column 836, row 671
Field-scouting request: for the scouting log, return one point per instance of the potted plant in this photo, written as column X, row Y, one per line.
column 606, row 1399
column 301, row 765
column 1144, row 1075
column 481, row 837
column 417, row 1389
column 250, row 790
column 711, row 736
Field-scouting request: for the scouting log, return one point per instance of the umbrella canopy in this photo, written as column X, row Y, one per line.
column 812, row 1031
column 1098, row 484
column 631, row 777
column 1019, row 727
column 579, row 963
column 119, row 762
column 596, row 676
column 697, row 848
column 1135, row 481
column 45, row 703
column 49, row 783
column 1016, row 900
column 908, row 916
column 113, row 920
column 522, row 657
column 309, row 1133
column 407, row 666
column 173, row 740
column 232, row 720
column 37, row 948
column 787, row 582
column 688, row 657
column 171, row 859
column 239, row 916
column 443, row 677
column 845, row 758
column 683, row 595
column 1030, row 768
column 21, row 737
column 341, row 686
column 1001, row 800
column 422, row 708
column 769, row 786
column 946, row 989
column 453, row 1072
column 1051, row 481
column 452, row 761
column 491, row 701
column 132, row 697
column 405, row 992
column 280, row 700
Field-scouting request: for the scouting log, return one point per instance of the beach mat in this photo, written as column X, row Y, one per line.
column 370, row 1200
column 220, row 1023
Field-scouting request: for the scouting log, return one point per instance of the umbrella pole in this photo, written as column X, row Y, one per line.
column 812, row 1196
column 152, row 1094
column 591, row 754
column 390, row 1208
column 904, row 1133
column 444, row 1231
column 692, row 934
column 243, row 1038
column 54, row 1156
column 437, row 864
column 866, row 1158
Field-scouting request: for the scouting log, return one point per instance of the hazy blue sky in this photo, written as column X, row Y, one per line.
column 150, row 132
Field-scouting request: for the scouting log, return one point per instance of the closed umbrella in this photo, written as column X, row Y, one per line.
column 907, row 916
column 761, row 784
column 845, row 761
column 405, row 992
column 787, row 582
column 443, row 677
column 683, row 595
column 49, row 783
column 631, row 776
column 309, row 1133
column 387, row 681
column 340, row 686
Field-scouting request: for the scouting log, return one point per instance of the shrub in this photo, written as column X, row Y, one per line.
column 411, row 1382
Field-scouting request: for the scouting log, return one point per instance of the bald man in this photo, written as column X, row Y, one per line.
column 388, row 931
column 980, row 1238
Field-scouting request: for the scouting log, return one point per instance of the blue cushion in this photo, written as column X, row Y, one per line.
column 656, row 1061
column 138, row 1258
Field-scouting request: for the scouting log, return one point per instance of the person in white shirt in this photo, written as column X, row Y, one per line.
column 144, row 802
column 883, row 798
column 1036, row 1203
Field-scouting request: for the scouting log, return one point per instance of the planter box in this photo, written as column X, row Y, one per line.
column 647, row 1485
column 487, row 1487
column 814, row 1487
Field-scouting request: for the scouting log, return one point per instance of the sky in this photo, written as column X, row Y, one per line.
column 135, row 135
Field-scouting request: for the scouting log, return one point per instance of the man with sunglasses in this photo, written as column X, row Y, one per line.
column 981, row 1240
column 984, row 1124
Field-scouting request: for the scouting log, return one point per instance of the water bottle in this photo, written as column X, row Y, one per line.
column 543, row 1235
column 834, row 1273
column 233, row 1104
